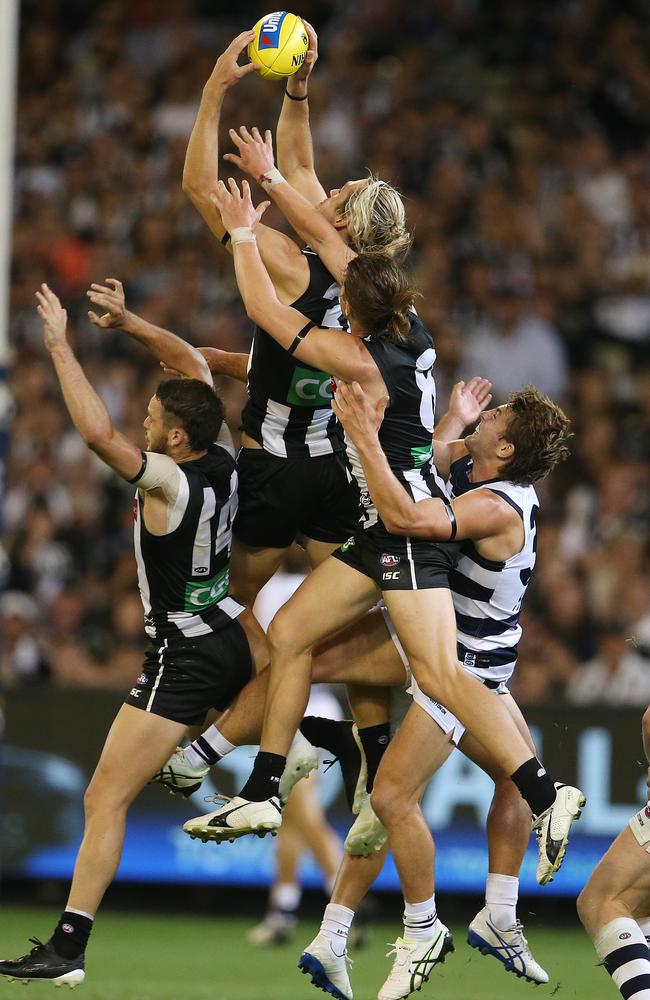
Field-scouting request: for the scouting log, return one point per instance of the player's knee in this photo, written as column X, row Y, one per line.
column 588, row 906
column 283, row 636
column 387, row 799
column 101, row 797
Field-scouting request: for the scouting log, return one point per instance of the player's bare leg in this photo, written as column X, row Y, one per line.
column 495, row 930
column 425, row 622
column 251, row 567
column 137, row 744
column 616, row 896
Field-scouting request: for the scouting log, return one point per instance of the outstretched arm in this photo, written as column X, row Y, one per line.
column 477, row 514
column 170, row 350
column 256, row 159
column 332, row 351
column 293, row 135
column 87, row 410
column 466, row 403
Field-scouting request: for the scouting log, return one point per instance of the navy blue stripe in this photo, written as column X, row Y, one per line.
column 509, row 500
column 485, row 628
column 466, row 587
column 624, row 955
column 487, row 659
column 467, row 549
column 633, row 987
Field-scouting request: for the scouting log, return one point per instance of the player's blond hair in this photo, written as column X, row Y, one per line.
column 377, row 220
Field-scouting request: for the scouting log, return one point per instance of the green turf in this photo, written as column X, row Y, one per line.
column 168, row 957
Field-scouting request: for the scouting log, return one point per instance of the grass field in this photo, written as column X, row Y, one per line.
column 167, row 957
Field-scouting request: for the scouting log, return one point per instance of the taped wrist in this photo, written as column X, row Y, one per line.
column 269, row 179
column 242, row 234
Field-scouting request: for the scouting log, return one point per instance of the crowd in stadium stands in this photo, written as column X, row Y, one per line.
column 518, row 134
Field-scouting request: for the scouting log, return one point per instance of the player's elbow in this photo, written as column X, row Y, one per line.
column 395, row 522
column 256, row 313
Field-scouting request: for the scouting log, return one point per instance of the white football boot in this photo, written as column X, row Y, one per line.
column 510, row 947
column 179, row 776
column 414, row 962
column 552, row 829
column 367, row 834
column 328, row 971
column 302, row 759
column 235, row 819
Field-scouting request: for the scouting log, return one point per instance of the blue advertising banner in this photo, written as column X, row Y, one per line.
column 54, row 739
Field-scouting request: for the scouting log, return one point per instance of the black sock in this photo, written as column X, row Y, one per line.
column 535, row 785
column 374, row 740
column 71, row 934
column 265, row 777
column 203, row 748
column 338, row 739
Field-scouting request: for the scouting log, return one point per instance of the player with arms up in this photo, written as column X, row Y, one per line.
column 390, row 353
column 292, row 480
column 199, row 655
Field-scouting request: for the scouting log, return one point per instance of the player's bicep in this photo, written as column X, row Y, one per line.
column 480, row 514
column 340, row 354
column 120, row 454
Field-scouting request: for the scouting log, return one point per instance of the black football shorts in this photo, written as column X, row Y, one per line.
column 396, row 562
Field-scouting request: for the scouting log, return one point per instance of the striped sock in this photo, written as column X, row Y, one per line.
column 420, row 920
column 208, row 748
column 625, row 954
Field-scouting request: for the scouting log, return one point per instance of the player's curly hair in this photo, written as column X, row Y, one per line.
column 540, row 431
column 379, row 294
column 377, row 220
column 195, row 406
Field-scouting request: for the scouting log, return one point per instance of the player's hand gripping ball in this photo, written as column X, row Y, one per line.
column 279, row 46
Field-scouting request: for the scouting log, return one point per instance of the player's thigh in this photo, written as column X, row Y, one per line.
column 621, row 876
column 256, row 638
column 251, row 567
column 333, row 595
column 317, row 551
column 425, row 623
column 303, row 810
column 137, row 745
column 362, row 653
column 476, row 752
column 415, row 753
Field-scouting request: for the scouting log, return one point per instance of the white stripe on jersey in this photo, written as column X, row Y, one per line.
column 488, row 597
column 227, row 516
column 193, row 625
column 276, row 419
column 158, row 676
column 143, row 583
column 203, row 536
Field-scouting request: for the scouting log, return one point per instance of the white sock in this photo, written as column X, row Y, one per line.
column 285, row 897
column 336, row 924
column 82, row 913
column 208, row 748
column 420, row 920
column 623, row 950
column 501, row 894
column 644, row 924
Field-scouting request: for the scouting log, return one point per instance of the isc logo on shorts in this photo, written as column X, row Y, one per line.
column 270, row 30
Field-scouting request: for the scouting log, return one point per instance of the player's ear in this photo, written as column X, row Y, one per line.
column 505, row 450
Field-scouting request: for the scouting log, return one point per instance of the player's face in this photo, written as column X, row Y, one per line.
column 491, row 431
column 155, row 432
column 333, row 208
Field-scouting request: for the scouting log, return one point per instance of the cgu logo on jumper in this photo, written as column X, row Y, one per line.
column 207, row 592
column 270, row 30
column 310, row 388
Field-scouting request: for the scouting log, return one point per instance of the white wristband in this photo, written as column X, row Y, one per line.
column 271, row 178
column 242, row 234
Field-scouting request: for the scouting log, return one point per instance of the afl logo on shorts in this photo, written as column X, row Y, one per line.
column 624, row 936
column 142, row 679
column 388, row 559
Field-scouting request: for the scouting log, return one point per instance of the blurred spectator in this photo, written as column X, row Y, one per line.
column 22, row 655
column 617, row 675
column 519, row 136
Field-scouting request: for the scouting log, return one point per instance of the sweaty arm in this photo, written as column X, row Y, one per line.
column 226, row 363
column 333, row 351
column 91, row 418
column 170, row 350
column 477, row 514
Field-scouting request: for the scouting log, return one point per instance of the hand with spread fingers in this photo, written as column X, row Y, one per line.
column 255, row 154
column 360, row 418
column 109, row 296
column 469, row 399
column 227, row 71
column 236, row 207
column 54, row 316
